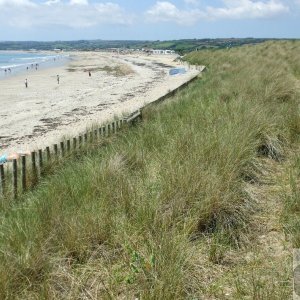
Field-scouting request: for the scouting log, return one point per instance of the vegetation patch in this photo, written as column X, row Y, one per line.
column 119, row 70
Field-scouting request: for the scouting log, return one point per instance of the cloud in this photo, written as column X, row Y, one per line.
column 79, row 2
column 16, row 3
column 73, row 14
column 191, row 2
column 164, row 11
column 52, row 2
column 247, row 9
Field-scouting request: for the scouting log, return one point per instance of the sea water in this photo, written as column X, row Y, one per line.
column 13, row 62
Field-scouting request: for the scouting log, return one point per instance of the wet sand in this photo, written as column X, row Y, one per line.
column 45, row 112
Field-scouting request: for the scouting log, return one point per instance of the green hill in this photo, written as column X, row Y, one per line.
column 180, row 46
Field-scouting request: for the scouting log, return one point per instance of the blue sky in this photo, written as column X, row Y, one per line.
column 144, row 20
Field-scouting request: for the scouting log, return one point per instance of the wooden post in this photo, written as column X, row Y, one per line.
column 56, row 150
column 23, row 159
column 91, row 136
column 113, row 126
column 104, row 131
column 74, row 143
column 68, row 146
column 121, row 123
column 100, row 131
column 41, row 160
column 80, row 141
column 34, row 168
column 62, row 148
column 141, row 116
column 2, row 178
column 108, row 129
column 48, row 153
column 85, row 138
column 15, row 178
column 96, row 134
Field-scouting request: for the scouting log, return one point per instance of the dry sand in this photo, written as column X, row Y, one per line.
column 46, row 111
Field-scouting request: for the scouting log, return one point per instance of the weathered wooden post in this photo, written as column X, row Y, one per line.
column 85, row 138
column 41, row 161
column 34, row 168
column 15, row 178
column 100, row 131
column 74, row 143
column 80, row 141
column 141, row 116
column 68, row 146
column 48, row 153
column 56, row 150
column 23, row 160
column 104, row 131
column 2, row 178
column 96, row 134
column 108, row 129
column 62, row 148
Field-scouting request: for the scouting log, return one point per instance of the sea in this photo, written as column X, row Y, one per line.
column 18, row 62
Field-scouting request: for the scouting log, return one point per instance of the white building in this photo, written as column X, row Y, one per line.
column 164, row 52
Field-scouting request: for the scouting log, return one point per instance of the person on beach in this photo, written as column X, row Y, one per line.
column 26, row 83
column 10, row 157
column 57, row 78
column 90, row 74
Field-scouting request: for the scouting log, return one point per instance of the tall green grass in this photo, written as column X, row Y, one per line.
column 131, row 219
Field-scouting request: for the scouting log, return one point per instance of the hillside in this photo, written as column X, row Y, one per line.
column 180, row 46
column 199, row 201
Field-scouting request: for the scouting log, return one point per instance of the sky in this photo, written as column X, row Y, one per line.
column 49, row 20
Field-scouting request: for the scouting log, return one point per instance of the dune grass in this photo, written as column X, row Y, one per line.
column 158, row 211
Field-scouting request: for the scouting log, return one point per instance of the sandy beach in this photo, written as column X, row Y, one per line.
column 42, row 114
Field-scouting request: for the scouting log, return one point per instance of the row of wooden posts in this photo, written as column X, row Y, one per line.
column 40, row 157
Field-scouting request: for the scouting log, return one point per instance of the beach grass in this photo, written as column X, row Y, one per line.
column 186, row 205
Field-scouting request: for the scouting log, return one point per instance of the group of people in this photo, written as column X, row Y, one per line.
column 7, row 70
column 26, row 81
column 32, row 66
column 10, row 157
column 57, row 79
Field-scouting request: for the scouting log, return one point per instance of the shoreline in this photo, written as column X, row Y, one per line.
column 55, row 60
column 47, row 112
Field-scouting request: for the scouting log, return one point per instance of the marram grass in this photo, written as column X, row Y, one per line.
column 156, row 210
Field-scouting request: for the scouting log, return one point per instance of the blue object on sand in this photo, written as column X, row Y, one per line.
column 176, row 71
column 3, row 159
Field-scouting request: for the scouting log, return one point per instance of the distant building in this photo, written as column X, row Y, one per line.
column 164, row 52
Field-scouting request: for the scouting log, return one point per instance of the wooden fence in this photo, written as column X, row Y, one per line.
column 25, row 173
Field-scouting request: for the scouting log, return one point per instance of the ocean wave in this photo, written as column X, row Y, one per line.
column 12, row 66
column 36, row 58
